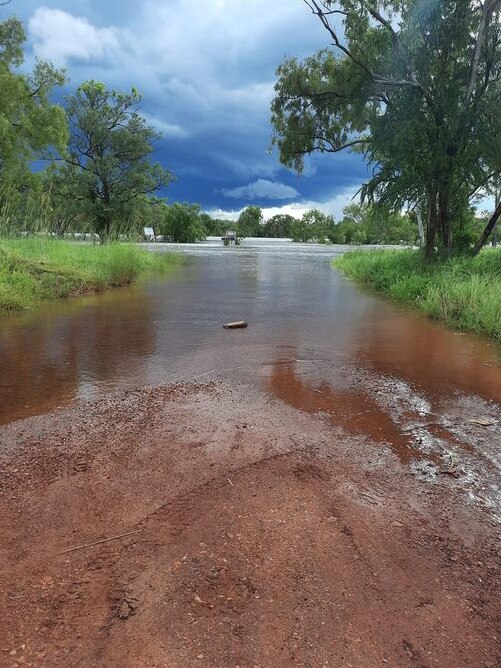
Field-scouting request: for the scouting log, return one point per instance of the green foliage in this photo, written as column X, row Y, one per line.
column 213, row 227
column 279, row 226
column 377, row 225
column 29, row 123
column 107, row 173
column 182, row 223
column 37, row 270
column 250, row 222
column 347, row 231
column 313, row 226
column 463, row 291
column 416, row 87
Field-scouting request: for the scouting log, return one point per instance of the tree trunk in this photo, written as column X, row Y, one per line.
column 444, row 222
column 103, row 227
column 489, row 228
column 431, row 230
column 482, row 29
column 420, row 226
column 495, row 231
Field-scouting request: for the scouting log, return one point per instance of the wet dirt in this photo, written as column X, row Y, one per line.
column 306, row 499
column 252, row 533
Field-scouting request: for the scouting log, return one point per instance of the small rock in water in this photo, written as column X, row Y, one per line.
column 238, row 324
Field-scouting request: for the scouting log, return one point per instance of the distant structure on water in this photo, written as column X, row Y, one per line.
column 230, row 237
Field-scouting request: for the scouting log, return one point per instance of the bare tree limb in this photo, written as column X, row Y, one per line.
column 396, row 43
column 489, row 228
column 336, row 149
column 482, row 184
column 323, row 16
column 488, row 9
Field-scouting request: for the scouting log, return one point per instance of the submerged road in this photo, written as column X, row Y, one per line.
column 320, row 489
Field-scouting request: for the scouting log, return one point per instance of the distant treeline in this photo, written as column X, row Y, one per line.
column 360, row 224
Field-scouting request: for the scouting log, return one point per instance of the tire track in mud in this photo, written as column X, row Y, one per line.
column 301, row 546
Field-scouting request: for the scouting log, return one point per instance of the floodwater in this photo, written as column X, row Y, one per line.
column 315, row 340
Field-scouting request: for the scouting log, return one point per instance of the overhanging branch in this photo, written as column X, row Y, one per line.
column 320, row 10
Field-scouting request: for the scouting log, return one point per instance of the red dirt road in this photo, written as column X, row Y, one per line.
column 269, row 532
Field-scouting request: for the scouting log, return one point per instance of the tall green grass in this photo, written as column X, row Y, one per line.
column 37, row 270
column 463, row 292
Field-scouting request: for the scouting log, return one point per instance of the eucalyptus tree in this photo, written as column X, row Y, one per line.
column 107, row 170
column 250, row 222
column 182, row 223
column 30, row 124
column 413, row 86
column 279, row 225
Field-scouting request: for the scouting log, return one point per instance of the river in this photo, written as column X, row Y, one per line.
column 303, row 316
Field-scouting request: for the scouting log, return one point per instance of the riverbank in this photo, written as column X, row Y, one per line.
column 463, row 292
column 33, row 271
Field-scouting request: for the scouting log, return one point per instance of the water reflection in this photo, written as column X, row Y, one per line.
column 50, row 358
column 355, row 411
column 429, row 355
column 171, row 328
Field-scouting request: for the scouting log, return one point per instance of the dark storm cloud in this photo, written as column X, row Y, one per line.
column 207, row 72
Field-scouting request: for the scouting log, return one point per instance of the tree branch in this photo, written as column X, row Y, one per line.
column 396, row 43
column 489, row 228
column 482, row 184
column 323, row 16
column 487, row 10
column 336, row 149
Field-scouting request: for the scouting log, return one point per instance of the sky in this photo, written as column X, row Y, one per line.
column 206, row 71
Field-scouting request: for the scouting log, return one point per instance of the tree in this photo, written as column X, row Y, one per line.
column 182, row 223
column 29, row 123
column 415, row 87
column 279, row 226
column 349, row 232
column 313, row 226
column 107, row 169
column 383, row 226
column 356, row 212
column 250, row 222
column 213, row 226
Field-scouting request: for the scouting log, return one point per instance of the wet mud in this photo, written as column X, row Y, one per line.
column 246, row 530
column 301, row 496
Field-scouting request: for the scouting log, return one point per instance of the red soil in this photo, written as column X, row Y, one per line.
column 266, row 535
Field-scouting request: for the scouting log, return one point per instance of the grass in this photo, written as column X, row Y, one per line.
column 33, row 271
column 463, row 292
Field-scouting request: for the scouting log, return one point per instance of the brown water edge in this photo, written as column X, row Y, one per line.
column 170, row 329
column 434, row 357
column 47, row 354
column 355, row 411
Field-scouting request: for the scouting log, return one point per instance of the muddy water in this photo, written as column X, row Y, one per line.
column 314, row 340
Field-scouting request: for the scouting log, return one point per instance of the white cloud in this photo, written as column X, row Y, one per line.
column 250, row 167
column 168, row 130
column 59, row 36
column 263, row 189
column 333, row 206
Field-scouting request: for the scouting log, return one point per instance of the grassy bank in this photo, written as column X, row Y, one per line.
column 33, row 271
column 463, row 292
